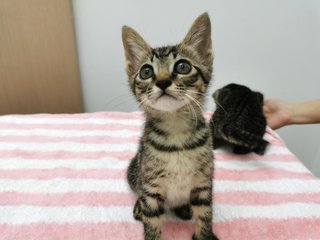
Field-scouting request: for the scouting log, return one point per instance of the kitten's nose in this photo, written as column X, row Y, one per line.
column 163, row 84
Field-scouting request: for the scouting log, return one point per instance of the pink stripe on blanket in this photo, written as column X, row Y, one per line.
column 78, row 127
column 255, row 198
column 83, row 139
column 43, row 174
column 76, row 231
column 51, row 155
column 265, row 229
column 260, row 174
column 80, row 139
column 126, row 155
column 221, row 174
column 275, row 136
column 96, row 115
column 254, row 157
column 106, row 199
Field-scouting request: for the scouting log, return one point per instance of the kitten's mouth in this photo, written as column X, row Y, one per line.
column 166, row 100
column 165, row 95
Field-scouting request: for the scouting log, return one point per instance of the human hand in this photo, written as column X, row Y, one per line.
column 277, row 112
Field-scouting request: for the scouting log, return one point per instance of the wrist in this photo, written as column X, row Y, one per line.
column 287, row 113
column 294, row 113
column 302, row 113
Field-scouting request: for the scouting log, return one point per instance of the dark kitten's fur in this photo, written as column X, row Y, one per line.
column 238, row 119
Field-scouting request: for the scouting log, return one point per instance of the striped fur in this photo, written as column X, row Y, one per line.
column 239, row 120
column 173, row 167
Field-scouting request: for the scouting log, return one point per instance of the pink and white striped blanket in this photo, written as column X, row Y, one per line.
column 63, row 177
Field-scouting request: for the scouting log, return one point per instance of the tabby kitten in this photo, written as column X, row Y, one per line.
column 173, row 167
column 238, row 119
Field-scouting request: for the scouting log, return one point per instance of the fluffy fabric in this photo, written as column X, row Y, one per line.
column 63, row 177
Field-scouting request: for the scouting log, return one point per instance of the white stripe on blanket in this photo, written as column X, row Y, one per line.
column 79, row 121
column 222, row 212
column 62, row 185
column 79, row 147
column 113, row 163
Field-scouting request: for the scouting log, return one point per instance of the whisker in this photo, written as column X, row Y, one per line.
column 194, row 115
column 141, row 102
column 195, row 101
column 196, row 92
column 117, row 101
column 220, row 106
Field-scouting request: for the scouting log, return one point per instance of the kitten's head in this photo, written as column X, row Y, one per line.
column 233, row 94
column 169, row 78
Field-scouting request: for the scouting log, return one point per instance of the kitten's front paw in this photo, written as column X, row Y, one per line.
column 209, row 236
column 183, row 212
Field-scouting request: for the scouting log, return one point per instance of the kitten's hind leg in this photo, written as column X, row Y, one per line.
column 132, row 174
column 137, row 214
column 183, row 212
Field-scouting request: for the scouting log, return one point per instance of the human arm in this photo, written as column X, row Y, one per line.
column 280, row 113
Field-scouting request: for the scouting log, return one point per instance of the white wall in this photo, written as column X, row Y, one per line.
column 271, row 46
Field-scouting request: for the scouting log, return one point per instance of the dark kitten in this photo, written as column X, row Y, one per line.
column 238, row 119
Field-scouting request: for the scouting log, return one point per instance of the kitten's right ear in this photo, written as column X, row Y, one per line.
column 136, row 49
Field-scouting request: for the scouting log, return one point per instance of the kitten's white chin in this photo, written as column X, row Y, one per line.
column 167, row 103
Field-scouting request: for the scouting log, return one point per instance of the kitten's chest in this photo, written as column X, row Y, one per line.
column 179, row 179
column 181, row 162
column 181, row 148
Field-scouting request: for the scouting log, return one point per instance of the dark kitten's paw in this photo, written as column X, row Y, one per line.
column 216, row 143
column 216, row 146
column 183, row 212
column 241, row 150
column 207, row 237
column 261, row 148
column 137, row 214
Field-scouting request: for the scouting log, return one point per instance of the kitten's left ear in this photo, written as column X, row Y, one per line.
column 199, row 37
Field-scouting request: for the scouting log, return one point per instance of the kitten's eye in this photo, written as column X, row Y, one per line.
column 146, row 72
column 182, row 67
